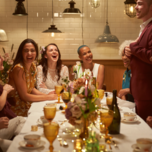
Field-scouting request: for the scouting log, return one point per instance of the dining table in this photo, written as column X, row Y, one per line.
column 129, row 131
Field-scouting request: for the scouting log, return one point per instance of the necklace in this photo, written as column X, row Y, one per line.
column 52, row 70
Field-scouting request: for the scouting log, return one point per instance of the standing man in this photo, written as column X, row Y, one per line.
column 140, row 53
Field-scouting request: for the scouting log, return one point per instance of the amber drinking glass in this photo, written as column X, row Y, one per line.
column 100, row 93
column 66, row 96
column 109, row 100
column 50, row 132
column 106, row 117
column 58, row 89
column 49, row 112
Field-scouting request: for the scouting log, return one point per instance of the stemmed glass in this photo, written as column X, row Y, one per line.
column 49, row 112
column 100, row 93
column 50, row 132
column 106, row 117
column 109, row 100
column 58, row 89
column 66, row 96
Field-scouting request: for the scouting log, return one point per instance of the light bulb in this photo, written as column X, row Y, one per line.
column 95, row 3
column 52, row 34
column 131, row 9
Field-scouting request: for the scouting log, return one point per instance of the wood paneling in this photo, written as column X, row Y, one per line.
column 114, row 70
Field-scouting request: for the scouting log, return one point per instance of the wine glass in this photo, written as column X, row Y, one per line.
column 100, row 93
column 50, row 132
column 109, row 100
column 49, row 112
column 66, row 96
column 58, row 89
column 106, row 117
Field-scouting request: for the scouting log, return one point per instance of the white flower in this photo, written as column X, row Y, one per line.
column 92, row 88
column 97, row 101
column 75, row 68
column 77, row 100
column 87, row 72
column 10, row 62
column 78, row 63
column 81, row 90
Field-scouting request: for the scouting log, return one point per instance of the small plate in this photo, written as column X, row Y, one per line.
column 130, row 121
column 23, row 145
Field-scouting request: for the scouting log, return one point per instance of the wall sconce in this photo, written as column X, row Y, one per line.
column 95, row 3
column 52, row 29
column 107, row 37
column 130, row 8
column 20, row 9
column 3, row 36
column 71, row 10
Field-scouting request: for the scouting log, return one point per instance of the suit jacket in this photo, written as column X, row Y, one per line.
column 141, row 66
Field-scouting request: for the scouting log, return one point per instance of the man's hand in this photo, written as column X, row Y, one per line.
column 123, row 92
column 149, row 120
column 128, row 51
column 8, row 88
column 4, row 122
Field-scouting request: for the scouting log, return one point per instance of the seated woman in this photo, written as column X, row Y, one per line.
column 8, row 128
column 50, row 71
column 22, row 77
column 86, row 58
column 124, row 93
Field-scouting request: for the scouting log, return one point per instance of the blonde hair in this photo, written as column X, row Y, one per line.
column 122, row 46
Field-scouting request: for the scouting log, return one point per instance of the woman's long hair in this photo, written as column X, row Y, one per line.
column 44, row 63
column 19, row 56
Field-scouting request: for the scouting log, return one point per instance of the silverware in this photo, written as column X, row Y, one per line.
column 114, row 143
column 60, row 140
column 65, row 144
column 109, row 143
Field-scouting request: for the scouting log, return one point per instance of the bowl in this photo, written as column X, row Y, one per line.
column 144, row 143
column 32, row 139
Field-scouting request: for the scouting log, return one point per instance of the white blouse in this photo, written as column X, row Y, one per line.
column 51, row 80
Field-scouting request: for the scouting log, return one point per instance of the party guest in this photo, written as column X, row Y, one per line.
column 51, row 70
column 8, row 128
column 22, row 77
column 124, row 93
column 149, row 121
column 140, row 54
column 86, row 57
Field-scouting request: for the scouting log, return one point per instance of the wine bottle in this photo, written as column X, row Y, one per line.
column 114, row 128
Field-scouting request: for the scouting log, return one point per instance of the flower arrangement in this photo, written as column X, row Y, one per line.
column 7, row 63
column 86, row 101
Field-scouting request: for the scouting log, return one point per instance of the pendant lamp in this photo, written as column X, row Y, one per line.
column 3, row 36
column 130, row 8
column 20, row 9
column 71, row 10
column 95, row 3
column 107, row 37
column 52, row 29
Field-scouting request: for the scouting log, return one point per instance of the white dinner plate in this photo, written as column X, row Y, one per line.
column 130, row 121
column 23, row 145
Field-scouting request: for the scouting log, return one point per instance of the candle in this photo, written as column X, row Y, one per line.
column 71, row 88
column 86, row 88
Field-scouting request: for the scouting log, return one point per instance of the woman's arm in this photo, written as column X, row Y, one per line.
column 40, row 84
column 100, row 77
column 19, row 78
column 123, row 92
column 6, row 89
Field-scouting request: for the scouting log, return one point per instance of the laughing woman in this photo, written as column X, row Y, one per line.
column 50, row 71
column 86, row 58
column 22, row 77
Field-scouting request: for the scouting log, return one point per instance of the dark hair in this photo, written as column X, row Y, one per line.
column 44, row 64
column 19, row 57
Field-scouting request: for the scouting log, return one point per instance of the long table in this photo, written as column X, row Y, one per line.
column 129, row 131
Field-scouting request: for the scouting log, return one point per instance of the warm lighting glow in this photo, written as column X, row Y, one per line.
column 95, row 3
column 131, row 9
column 52, row 34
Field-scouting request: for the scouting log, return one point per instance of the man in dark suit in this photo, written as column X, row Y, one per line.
column 140, row 54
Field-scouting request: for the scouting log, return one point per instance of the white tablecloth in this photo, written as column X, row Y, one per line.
column 129, row 132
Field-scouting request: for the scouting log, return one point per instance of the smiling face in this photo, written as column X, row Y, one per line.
column 143, row 9
column 52, row 53
column 126, row 61
column 86, row 55
column 29, row 53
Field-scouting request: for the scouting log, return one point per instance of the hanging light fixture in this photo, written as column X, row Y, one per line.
column 3, row 36
column 95, row 3
column 107, row 37
column 130, row 8
column 71, row 10
column 20, row 9
column 52, row 29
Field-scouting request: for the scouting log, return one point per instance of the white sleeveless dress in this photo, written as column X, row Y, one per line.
column 94, row 71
